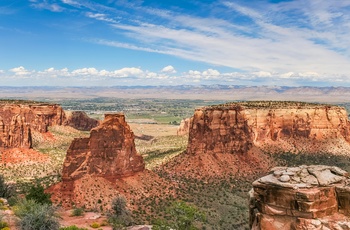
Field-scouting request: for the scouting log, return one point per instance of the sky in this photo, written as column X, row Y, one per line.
column 168, row 42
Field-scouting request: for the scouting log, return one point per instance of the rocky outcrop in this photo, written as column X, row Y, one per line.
column 301, row 198
column 109, row 152
column 95, row 165
column 184, row 127
column 19, row 120
column 236, row 127
column 80, row 120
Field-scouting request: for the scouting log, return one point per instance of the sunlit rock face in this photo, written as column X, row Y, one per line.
column 19, row 120
column 300, row 198
column 272, row 126
column 109, row 152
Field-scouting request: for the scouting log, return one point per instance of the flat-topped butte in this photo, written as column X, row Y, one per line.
column 267, row 104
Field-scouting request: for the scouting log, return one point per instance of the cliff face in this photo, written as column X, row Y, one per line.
column 109, row 152
column 305, row 197
column 235, row 128
column 79, row 120
column 19, row 120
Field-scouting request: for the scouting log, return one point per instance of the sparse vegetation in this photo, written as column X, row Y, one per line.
column 36, row 216
column 119, row 216
column 6, row 190
column 77, row 211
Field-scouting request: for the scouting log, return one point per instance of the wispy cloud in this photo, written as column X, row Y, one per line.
column 297, row 40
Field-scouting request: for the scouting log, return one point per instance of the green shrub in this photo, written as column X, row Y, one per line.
column 37, row 193
column 119, row 216
column 3, row 224
column 95, row 225
column 77, row 212
column 36, row 216
column 6, row 190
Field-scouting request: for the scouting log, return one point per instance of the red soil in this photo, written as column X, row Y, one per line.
column 20, row 155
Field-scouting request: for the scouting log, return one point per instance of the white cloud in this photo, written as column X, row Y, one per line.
column 168, row 69
column 20, row 71
column 137, row 76
column 85, row 71
column 128, row 72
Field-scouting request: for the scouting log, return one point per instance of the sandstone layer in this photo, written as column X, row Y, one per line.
column 271, row 126
column 301, row 198
column 19, row 120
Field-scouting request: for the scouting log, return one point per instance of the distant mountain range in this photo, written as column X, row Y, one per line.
column 203, row 92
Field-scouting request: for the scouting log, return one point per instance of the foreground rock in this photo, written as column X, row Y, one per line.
column 300, row 198
column 94, row 165
column 19, row 119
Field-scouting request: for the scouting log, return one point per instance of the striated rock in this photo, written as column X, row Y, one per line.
column 94, row 165
column 184, row 127
column 80, row 121
column 19, row 120
column 301, row 204
column 109, row 152
column 273, row 126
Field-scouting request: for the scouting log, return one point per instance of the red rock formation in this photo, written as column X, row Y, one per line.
column 80, row 121
column 236, row 127
column 19, row 120
column 300, row 198
column 109, row 152
column 108, row 155
column 184, row 127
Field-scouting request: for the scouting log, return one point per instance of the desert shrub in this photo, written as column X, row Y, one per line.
column 36, row 216
column 119, row 216
column 6, row 190
column 73, row 227
column 95, row 225
column 3, row 224
column 37, row 193
column 77, row 211
column 183, row 216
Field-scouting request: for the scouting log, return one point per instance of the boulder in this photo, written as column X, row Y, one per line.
column 300, row 204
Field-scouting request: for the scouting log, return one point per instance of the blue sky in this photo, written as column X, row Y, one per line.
column 148, row 42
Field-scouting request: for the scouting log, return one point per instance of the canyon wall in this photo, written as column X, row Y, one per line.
column 109, row 152
column 300, row 198
column 19, row 120
column 236, row 127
